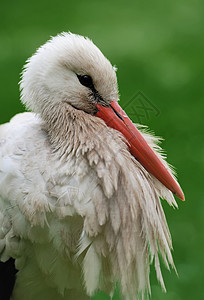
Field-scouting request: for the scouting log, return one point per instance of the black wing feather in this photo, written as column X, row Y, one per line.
column 7, row 278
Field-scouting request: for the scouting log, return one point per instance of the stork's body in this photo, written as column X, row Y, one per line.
column 78, row 212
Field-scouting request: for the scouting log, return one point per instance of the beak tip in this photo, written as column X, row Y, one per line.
column 180, row 195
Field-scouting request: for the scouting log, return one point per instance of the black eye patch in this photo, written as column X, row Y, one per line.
column 86, row 80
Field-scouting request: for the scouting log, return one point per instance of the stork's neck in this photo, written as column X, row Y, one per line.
column 69, row 129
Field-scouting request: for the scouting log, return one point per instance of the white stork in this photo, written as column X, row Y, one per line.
column 80, row 186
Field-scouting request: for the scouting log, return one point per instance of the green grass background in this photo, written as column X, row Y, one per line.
column 158, row 49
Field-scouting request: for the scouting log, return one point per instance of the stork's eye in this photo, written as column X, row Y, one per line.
column 86, row 80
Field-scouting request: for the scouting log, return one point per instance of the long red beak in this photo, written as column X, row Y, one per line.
column 116, row 118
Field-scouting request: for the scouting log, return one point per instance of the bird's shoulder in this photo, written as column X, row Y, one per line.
column 23, row 145
column 23, row 155
column 23, row 132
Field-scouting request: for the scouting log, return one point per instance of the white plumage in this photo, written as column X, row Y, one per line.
column 78, row 212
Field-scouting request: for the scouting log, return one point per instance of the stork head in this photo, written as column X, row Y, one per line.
column 71, row 69
column 68, row 68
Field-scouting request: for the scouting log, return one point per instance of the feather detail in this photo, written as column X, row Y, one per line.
column 120, row 219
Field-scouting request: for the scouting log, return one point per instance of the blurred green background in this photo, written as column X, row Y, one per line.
column 158, row 49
